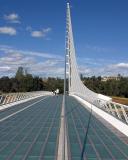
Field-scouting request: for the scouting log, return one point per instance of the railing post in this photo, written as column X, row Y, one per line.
column 124, row 114
column 111, row 109
column 117, row 111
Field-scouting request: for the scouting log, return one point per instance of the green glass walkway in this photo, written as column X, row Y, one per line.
column 101, row 144
column 31, row 134
column 30, row 131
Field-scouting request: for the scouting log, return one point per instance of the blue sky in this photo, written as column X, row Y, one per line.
column 32, row 34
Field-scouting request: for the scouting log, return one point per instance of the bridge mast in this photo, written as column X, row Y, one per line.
column 64, row 147
column 75, row 85
column 68, row 21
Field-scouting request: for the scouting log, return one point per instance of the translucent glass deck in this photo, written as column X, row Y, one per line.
column 101, row 144
column 33, row 133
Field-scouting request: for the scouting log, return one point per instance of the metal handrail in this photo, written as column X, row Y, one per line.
column 120, row 111
column 8, row 98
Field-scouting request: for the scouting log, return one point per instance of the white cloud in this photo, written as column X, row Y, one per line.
column 12, row 18
column 47, row 64
column 102, row 67
column 37, row 63
column 3, row 68
column 47, row 68
column 113, row 69
column 10, row 50
column 120, row 65
column 84, row 69
column 8, row 30
column 46, row 30
column 39, row 33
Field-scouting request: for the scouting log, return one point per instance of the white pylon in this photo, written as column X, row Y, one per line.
column 76, row 86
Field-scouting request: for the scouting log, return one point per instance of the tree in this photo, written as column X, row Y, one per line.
column 19, row 73
column 5, row 84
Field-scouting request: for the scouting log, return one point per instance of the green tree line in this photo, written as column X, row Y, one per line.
column 25, row 82
column 113, row 87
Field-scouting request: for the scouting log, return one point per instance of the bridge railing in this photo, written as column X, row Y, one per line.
column 14, row 97
column 117, row 110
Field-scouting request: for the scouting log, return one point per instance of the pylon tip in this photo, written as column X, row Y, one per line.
column 68, row 4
